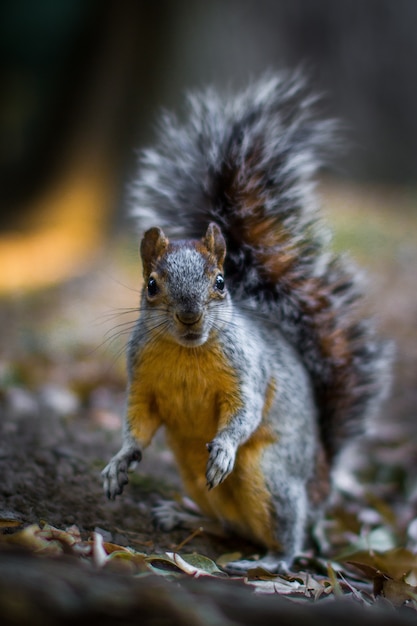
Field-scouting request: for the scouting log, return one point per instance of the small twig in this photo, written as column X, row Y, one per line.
column 197, row 531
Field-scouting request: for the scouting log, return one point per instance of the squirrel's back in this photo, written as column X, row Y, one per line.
column 248, row 163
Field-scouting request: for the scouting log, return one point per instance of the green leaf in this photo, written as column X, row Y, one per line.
column 195, row 564
column 379, row 539
column 203, row 563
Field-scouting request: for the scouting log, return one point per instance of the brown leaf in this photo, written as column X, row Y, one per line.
column 32, row 538
column 113, row 547
column 397, row 592
column 396, row 563
column 127, row 561
column 259, row 573
column 224, row 559
column 10, row 523
column 66, row 537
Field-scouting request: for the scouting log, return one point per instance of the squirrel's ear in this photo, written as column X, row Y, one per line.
column 153, row 245
column 215, row 243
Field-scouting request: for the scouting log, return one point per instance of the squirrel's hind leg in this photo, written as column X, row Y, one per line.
column 289, row 498
column 169, row 514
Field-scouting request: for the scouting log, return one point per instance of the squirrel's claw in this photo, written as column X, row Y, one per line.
column 221, row 461
column 115, row 473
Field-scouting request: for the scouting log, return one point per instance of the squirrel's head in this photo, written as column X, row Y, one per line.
column 184, row 285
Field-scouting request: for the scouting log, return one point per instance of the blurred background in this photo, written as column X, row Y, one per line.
column 82, row 83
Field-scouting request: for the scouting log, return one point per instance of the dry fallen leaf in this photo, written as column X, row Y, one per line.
column 395, row 564
column 33, row 539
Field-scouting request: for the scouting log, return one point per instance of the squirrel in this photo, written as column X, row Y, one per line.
column 249, row 348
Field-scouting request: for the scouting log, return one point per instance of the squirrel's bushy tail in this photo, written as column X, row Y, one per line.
column 248, row 163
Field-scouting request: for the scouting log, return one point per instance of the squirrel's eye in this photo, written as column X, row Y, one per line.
column 152, row 287
column 219, row 282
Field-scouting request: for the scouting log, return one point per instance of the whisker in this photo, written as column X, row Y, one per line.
column 122, row 284
column 116, row 313
column 110, row 341
column 123, row 326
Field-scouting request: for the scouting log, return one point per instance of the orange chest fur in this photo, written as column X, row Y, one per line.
column 194, row 393
column 189, row 390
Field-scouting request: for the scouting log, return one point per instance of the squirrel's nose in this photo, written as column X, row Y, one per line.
column 188, row 316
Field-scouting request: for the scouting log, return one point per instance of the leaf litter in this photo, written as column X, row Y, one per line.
column 363, row 575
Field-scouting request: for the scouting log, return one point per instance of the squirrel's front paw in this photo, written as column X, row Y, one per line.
column 221, row 460
column 115, row 473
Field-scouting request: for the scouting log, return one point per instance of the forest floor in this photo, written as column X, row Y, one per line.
column 62, row 394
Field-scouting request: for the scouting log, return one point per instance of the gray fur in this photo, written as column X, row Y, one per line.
column 288, row 464
column 267, row 134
